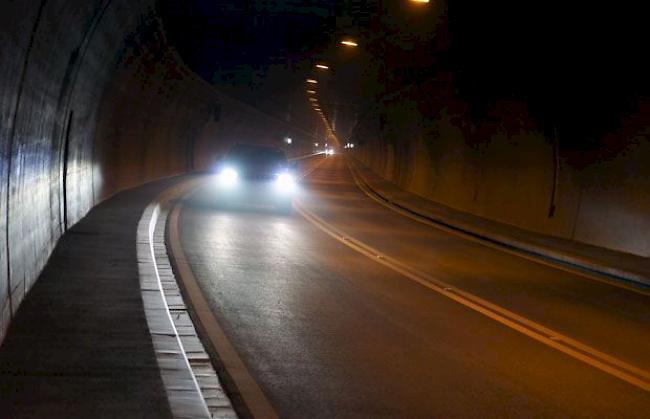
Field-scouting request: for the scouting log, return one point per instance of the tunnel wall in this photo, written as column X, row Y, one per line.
column 92, row 101
column 502, row 167
column 70, row 70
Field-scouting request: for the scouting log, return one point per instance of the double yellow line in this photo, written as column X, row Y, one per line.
column 604, row 362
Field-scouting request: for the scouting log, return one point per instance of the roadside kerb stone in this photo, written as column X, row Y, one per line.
column 634, row 269
column 192, row 385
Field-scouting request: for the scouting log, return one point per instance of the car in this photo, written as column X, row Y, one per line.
column 253, row 176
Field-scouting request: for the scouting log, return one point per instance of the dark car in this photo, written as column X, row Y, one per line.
column 254, row 176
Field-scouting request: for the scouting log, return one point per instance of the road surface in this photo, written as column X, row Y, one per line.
column 347, row 309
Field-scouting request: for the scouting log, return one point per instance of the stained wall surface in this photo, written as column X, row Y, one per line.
column 92, row 101
column 501, row 166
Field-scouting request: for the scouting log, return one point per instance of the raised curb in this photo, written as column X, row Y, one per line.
column 528, row 248
column 192, row 386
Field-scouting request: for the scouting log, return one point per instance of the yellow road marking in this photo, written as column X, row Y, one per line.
column 604, row 362
column 254, row 398
column 503, row 248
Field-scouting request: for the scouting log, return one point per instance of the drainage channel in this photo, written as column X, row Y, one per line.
column 192, row 385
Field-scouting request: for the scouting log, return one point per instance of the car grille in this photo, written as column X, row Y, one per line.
column 260, row 177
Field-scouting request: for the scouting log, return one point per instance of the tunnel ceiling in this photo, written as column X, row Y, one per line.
column 581, row 68
column 221, row 39
column 259, row 51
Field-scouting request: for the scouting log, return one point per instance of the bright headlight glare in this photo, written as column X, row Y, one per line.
column 285, row 180
column 228, row 176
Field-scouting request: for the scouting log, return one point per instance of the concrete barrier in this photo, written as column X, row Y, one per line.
column 503, row 168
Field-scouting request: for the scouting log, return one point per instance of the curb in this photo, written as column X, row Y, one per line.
column 523, row 248
column 192, row 386
column 247, row 396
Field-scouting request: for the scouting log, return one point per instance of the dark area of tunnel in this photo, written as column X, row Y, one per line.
column 504, row 98
column 544, row 96
column 579, row 68
column 531, row 114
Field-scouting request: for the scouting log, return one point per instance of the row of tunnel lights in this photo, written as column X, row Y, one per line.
column 311, row 90
column 347, row 42
column 312, row 82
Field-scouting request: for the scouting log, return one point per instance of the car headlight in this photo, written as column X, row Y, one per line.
column 285, row 181
column 228, row 176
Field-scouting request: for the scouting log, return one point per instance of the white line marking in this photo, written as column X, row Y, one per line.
column 254, row 398
column 183, row 390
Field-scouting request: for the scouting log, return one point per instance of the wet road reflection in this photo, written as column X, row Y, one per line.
column 327, row 332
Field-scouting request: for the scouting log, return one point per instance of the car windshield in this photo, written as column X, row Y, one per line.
column 252, row 155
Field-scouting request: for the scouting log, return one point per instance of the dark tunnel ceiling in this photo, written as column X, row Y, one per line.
column 259, row 51
column 582, row 65
column 218, row 38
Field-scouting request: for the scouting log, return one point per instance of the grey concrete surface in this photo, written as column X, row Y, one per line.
column 93, row 100
column 191, row 383
column 624, row 267
column 86, row 91
column 79, row 346
column 501, row 166
column 328, row 332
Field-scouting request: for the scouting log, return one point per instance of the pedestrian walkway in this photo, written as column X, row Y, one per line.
column 79, row 346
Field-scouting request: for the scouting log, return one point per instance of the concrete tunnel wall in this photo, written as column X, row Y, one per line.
column 94, row 101
column 502, row 167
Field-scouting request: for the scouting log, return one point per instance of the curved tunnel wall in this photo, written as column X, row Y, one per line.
column 502, row 167
column 86, row 89
column 93, row 101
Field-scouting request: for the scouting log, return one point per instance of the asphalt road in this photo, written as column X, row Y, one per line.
column 330, row 332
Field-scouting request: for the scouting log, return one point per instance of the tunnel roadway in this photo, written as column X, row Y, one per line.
column 347, row 309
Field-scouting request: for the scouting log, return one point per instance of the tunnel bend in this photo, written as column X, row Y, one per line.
column 94, row 100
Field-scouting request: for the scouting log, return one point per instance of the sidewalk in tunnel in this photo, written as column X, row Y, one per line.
column 79, row 346
column 587, row 258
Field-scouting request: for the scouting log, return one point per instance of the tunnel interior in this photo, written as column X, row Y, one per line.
column 527, row 116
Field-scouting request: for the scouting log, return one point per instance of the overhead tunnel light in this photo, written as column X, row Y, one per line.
column 349, row 43
column 312, row 81
column 322, row 66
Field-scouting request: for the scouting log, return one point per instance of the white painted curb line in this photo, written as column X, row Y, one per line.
column 192, row 386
